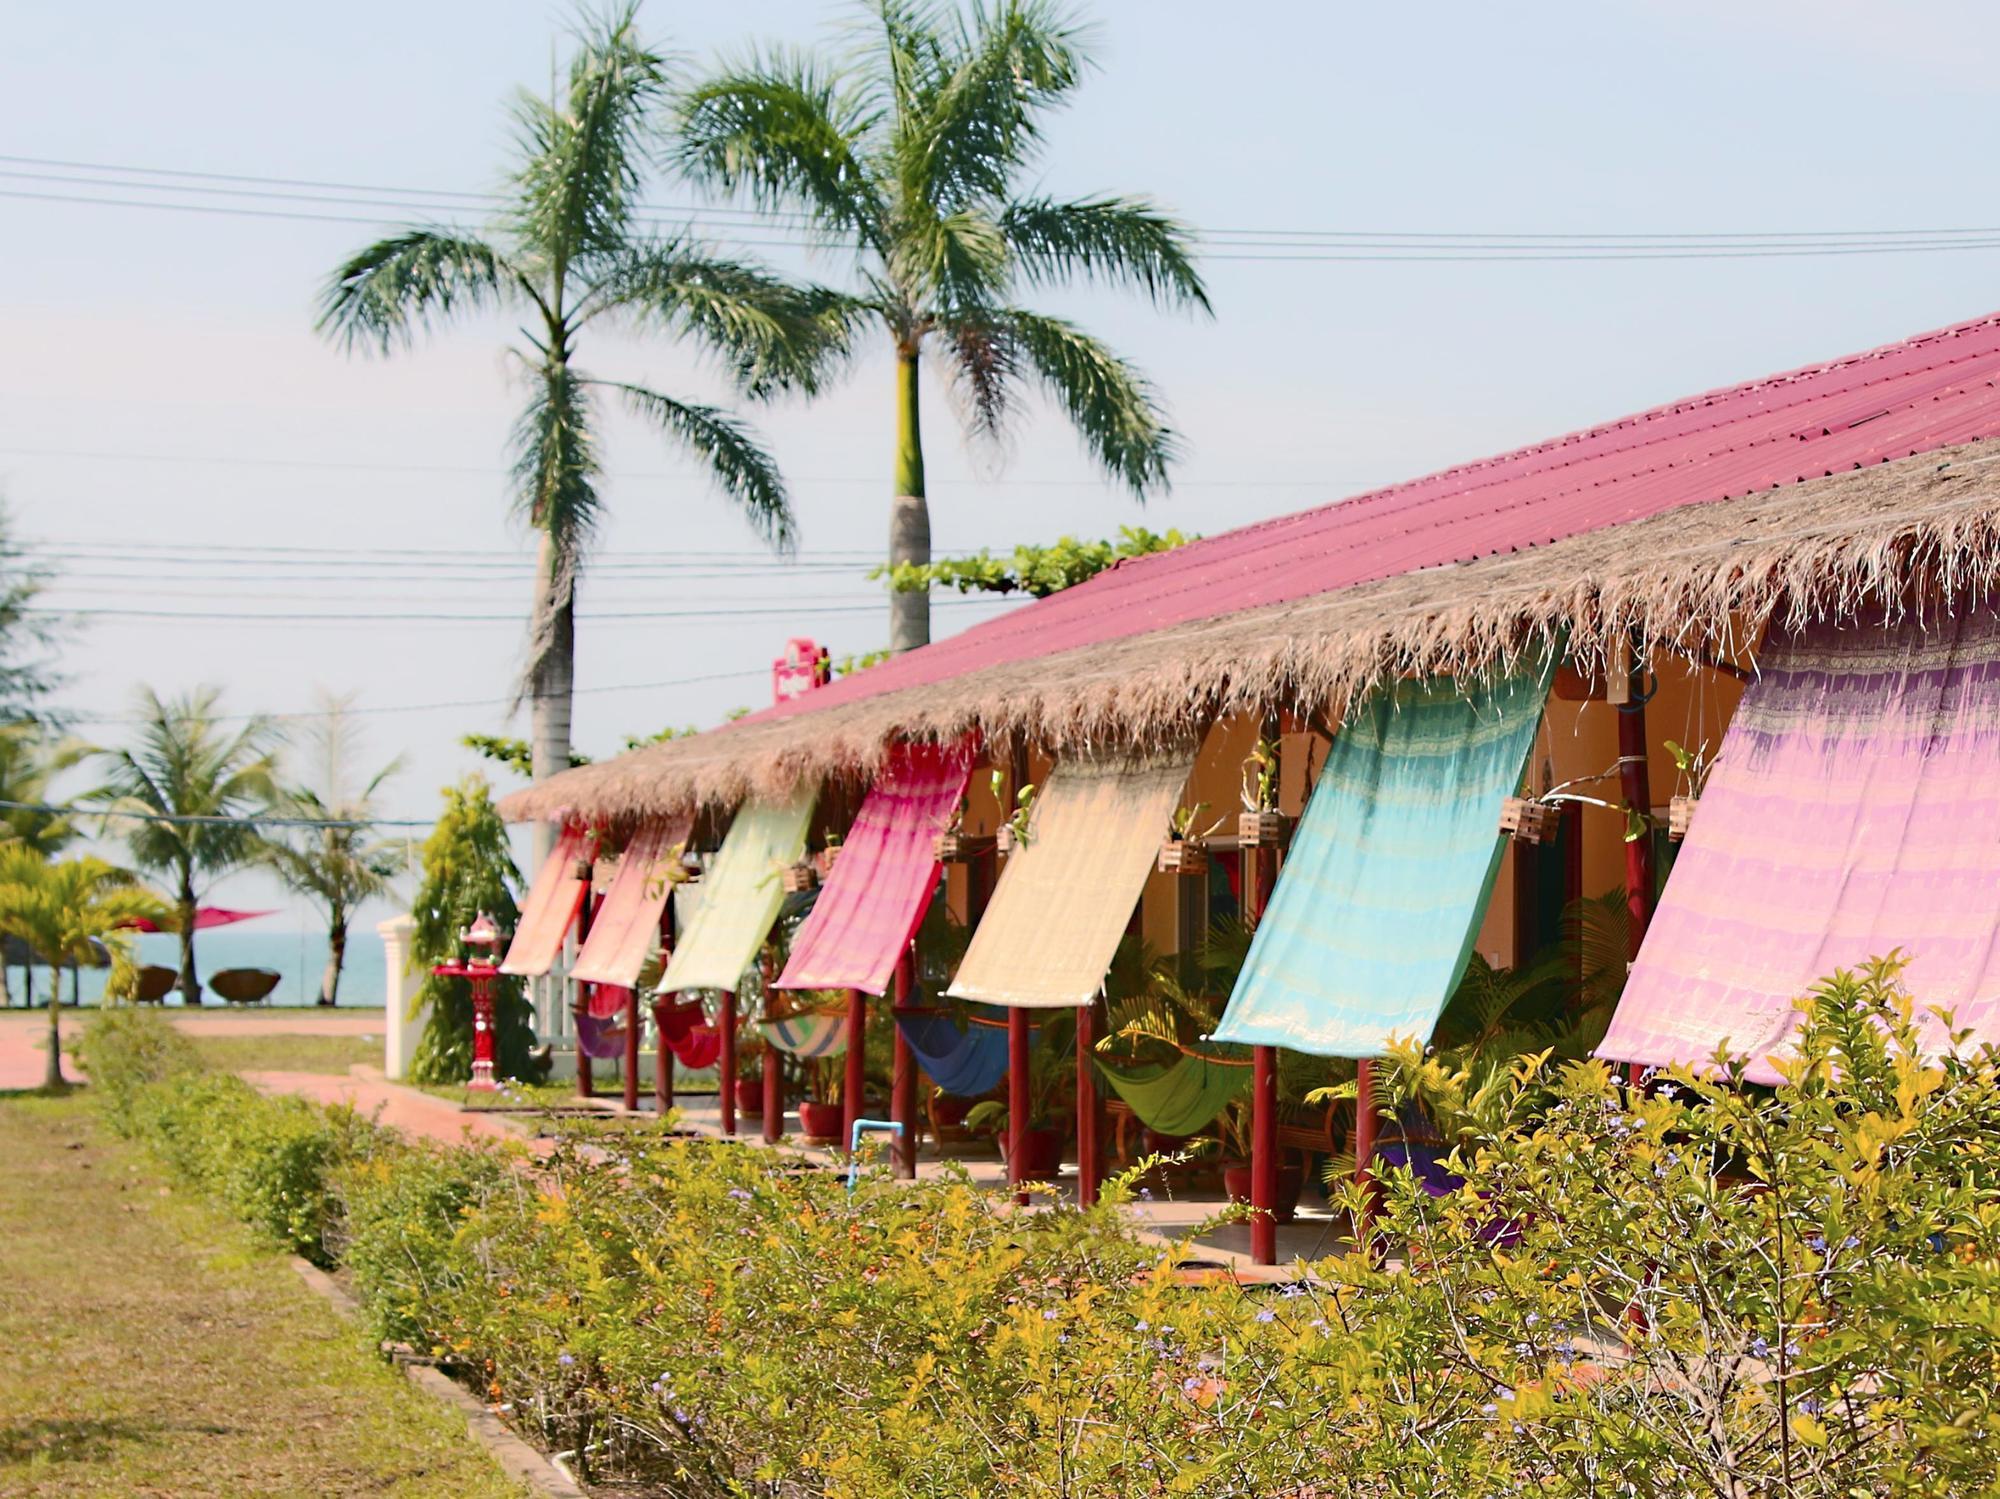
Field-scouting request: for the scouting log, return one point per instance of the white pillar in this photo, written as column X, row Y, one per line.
column 401, row 1029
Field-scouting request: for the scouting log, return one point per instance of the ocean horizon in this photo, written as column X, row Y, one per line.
column 298, row 955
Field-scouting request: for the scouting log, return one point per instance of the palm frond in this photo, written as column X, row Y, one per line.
column 736, row 462
column 774, row 334
column 1111, row 404
column 1119, row 241
column 382, row 297
column 954, row 260
column 555, row 459
column 983, row 361
column 782, row 130
column 585, row 156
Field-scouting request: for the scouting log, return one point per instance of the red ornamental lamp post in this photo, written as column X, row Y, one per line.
column 480, row 967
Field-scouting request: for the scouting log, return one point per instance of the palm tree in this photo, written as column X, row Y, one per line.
column 568, row 254
column 339, row 864
column 186, row 790
column 913, row 161
column 63, row 912
column 31, row 757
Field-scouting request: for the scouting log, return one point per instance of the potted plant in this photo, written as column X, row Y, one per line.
column 1183, row 852
column 1261, row 824
column 828, row 855
column 1051, row 1084
column 955, row 845
column 1691, row 772
column 1232, row 1140
column 749, row 1066
column 1528, row 819
column 820, row 1114
column 1017, row 831
column 800, row 877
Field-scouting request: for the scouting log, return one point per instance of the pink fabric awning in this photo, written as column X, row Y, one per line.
column 550, row 909
column 1851, row 812
column 627, row 924
column 882, row 880
column 205, row 917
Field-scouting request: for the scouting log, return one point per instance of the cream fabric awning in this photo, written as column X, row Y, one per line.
column 740, row 895
column 1062, row 903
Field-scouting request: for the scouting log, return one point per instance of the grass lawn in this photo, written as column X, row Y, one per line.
column 286, row 1053
column 153, row 1349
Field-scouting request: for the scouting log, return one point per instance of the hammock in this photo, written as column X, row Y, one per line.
column 1182, row 1097
column 685, row 1031
column 602, row 1038
column 815, row 1034
column 964, row 1063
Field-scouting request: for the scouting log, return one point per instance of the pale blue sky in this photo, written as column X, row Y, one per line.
column 185, row 337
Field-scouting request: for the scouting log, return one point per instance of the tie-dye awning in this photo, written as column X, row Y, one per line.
column 740, row 895
column 550, row 909
column 1382, row 892
column 875, row 897
column 623, row 931
column 1064, row 900
column 1854, row 809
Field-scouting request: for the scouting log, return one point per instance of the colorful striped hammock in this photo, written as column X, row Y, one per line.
column 963, row 1063
column 1181, row 1097
column 817, row 1033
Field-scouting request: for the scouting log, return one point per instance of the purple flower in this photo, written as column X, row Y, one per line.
column 1145, row 1194
column 1141, row 1325
column 1850, row 1242
column 1267, row 1315
column 1760, row 1347
column 1817, row 1243
column 1050, row 1315
column 739, row 1194
column 564, row 1359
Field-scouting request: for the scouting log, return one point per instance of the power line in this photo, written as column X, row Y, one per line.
column 685, row 616
column 206, row 821
column 1273, row 245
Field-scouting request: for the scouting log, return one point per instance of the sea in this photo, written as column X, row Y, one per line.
column 299, row 955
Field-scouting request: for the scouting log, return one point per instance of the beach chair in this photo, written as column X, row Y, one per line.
column 244, row 986
column 156, row 982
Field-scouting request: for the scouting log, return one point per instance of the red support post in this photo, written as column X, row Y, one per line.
column 585, row 1085
column 1017, row 1100
column 1264, row 1155
column 726, row 1061
column 663, row 1058
column 1636, row 783
column 854, row 1076
column 903, row 1081
column 774, row 1096
column 1365, row 1125
column 631, row 1051
column 1089, row 1163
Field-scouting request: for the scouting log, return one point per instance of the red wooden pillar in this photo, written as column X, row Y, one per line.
column 854, row 1079
column 1017, row 1098
column 1365, row 1126
column 1635, row 781
column 1089, row 1163
column 774, row 1096
column 903, row 1081
column 585, row 1084
column 663, row 1060
column 726, row 1061
column 631, row 1051
column 1263, row 1098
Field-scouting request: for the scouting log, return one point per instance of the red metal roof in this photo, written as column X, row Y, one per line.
column 1924, row 393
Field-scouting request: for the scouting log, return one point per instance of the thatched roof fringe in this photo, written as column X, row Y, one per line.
column 1701, row 578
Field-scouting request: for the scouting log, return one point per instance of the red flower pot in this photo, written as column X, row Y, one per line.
column 820, row 1121
column 750, row 1095
column 1041, row 1155
column 1291, row 1181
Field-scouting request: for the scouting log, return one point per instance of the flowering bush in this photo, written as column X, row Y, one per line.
column 1703, row 1287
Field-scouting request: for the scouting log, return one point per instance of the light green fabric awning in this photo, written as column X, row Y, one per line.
column 740, row 895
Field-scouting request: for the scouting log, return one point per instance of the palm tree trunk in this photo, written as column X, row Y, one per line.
column 910, row 514
column 190, row 987
column 52, row 1078
column 336, row 956
column 551, row 681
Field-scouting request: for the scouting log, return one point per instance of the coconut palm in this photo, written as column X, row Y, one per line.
column 913, row 158
column 185, row 788
column 569, row 254
column 64, row 912
column 341, row 863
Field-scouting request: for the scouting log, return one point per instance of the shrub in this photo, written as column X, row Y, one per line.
column 126, row 1049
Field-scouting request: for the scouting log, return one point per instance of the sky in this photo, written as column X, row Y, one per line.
column 169, row 419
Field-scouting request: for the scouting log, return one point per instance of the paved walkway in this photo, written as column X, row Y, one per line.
column 410, row 1110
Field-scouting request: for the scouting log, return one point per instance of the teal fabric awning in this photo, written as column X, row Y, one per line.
column 1381, row 895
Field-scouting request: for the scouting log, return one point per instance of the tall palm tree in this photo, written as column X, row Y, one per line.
column 913, row 158
column 187, row 785
column 64, row 912
column 341, row 863
column 569, row 253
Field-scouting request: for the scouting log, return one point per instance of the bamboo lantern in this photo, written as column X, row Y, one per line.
column 1680, row 816
column 799, row 878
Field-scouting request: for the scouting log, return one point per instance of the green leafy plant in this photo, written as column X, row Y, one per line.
column 1019, row 810
column 1051, row 1080
column 1037, row 571
column 1260, row 776
column 1181, row 828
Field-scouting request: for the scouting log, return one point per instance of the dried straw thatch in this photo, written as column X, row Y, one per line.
column 1702, row 577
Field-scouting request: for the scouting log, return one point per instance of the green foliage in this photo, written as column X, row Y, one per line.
column 31, row 757
column 1035, row 570
column 640, row 741
column 1260, row 776
column 515, row 753
column 1710, row 1288
column 29, row 633
column 127, row 1051
column 468, row 868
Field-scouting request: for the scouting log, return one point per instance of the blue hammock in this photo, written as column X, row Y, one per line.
column 963, row 1063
